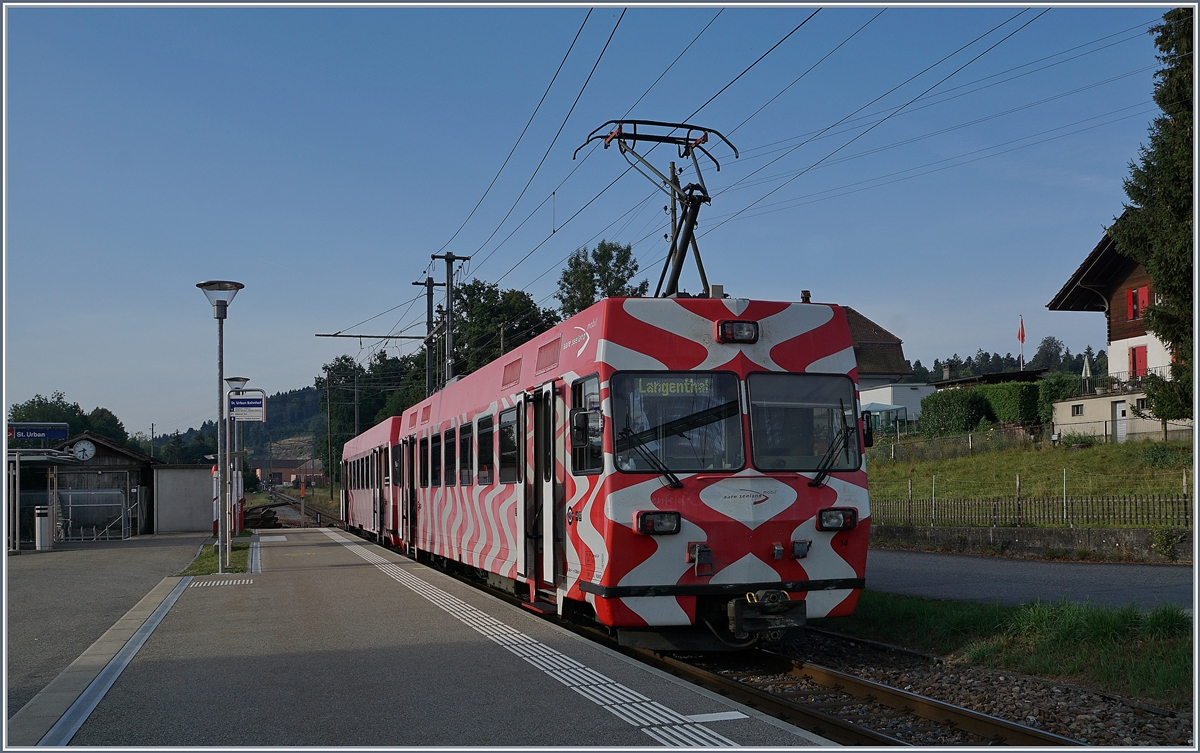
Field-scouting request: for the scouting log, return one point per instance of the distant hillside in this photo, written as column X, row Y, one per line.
column 299, row 447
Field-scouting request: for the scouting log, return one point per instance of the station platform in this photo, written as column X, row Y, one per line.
column 340, row 642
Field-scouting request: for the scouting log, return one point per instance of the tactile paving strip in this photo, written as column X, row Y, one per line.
column 659, row 722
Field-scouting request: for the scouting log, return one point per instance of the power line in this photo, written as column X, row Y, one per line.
column 885, row 119
column 523, row 130
column 552, row 141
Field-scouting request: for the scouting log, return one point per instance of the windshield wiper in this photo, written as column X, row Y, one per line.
column 635, row 441
column 840, row 441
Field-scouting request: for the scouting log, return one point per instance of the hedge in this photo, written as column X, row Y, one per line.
column 953, row 411
column 1012, row 402
column 1056, row 386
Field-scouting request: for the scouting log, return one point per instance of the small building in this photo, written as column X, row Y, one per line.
column 1117, row 286
column 908, row 396
column 106, row 493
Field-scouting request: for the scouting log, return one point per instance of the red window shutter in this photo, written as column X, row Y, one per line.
column 1143, row 300
column 1129, row 305
column 1141, row 356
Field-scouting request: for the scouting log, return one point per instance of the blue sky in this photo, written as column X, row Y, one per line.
column 321, row 155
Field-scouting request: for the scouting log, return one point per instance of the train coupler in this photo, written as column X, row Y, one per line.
column 768, row 613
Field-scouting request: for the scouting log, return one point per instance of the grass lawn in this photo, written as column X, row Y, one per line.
column 1104, row 469
column 206, row 562
column 1134, row 654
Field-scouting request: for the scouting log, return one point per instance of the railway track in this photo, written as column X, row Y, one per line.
column 844, row 708
column 318, row 512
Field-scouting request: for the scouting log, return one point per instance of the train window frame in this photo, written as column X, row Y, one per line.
column 423, row 462
column 466, row 454
column 486, row 452
column 450, row 456
column 855, row 434
column 510, row 474
column 741, row 433
column 397, row 457
column 435, row 459
column 584, row 461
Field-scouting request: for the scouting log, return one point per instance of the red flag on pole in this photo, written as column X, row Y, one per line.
column 1021, row 331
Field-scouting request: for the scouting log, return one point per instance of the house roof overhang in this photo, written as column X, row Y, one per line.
column 1088, row 288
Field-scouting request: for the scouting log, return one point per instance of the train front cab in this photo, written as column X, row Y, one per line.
column 744, row 538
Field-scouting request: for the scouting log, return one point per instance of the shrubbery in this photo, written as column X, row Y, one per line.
column 953, row 411
column 1011, row 402
column 1056, row 386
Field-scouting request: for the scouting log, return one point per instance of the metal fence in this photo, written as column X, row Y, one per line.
column 94, row 515
column 942, row 448
column 1040, row 512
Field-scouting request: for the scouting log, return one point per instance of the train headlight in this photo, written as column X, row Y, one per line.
column 737, row 332
column 657, row 523
column 837, row 519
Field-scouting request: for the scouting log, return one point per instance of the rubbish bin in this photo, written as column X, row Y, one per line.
column 43, row 530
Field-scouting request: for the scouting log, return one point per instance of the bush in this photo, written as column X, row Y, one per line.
column 953, row 412
column 1011, row 402
column 1166, row 456
column 1053, row 387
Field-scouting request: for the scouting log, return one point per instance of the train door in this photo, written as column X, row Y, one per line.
column 513, row 448
column 545, row 485
column 410, row 495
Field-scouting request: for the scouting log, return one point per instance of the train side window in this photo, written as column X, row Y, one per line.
column 435, row 460
column 424, row 463
column 466, row 460
column 397, row 453
column 487, row 451
column 510, row 447
column 585, row 402
column 451, row 469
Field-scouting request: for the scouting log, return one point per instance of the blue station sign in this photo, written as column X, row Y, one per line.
column 31, row 430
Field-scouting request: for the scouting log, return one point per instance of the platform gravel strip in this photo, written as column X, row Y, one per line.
column 666, row 726
column 255, row 558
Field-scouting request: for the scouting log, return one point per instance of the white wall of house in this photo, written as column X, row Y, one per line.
column 1158, row 358
column 907, row 395
column 1099, row 415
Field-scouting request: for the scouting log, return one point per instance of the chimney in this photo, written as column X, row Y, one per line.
column 946, row 373
column 806, row 296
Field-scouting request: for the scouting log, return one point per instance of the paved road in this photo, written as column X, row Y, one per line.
column 969, row 577
column 60, row 601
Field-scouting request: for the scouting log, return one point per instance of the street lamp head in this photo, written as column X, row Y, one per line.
column 220, row 293
column 236, row 383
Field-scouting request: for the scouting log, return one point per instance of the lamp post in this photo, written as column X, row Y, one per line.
column 236, row 384
column 220, row 293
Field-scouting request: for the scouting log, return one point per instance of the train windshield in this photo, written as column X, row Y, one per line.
column 688, row 421
column 796, row 420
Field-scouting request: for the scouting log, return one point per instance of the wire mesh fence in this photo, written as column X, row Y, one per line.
column 915, row 450
column 1134, row 511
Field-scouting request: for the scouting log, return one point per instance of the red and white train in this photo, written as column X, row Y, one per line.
column 685, row 471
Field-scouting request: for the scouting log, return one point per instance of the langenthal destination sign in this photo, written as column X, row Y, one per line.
column 247, row 407
column 31, row 430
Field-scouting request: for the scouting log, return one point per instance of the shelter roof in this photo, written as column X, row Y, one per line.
column 116, row 447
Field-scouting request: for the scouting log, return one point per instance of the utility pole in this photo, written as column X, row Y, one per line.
column 151, row 439
column 356, row 399
column 329, row 433
column 450, row 259
column 429, row 285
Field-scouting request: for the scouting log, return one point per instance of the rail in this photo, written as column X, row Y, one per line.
column 320, row 511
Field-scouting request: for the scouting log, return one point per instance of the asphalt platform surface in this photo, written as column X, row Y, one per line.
column 340, row 642
column 59, row 602
column 1012, row 581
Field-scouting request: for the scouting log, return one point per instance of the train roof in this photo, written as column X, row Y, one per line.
column 573, row 345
